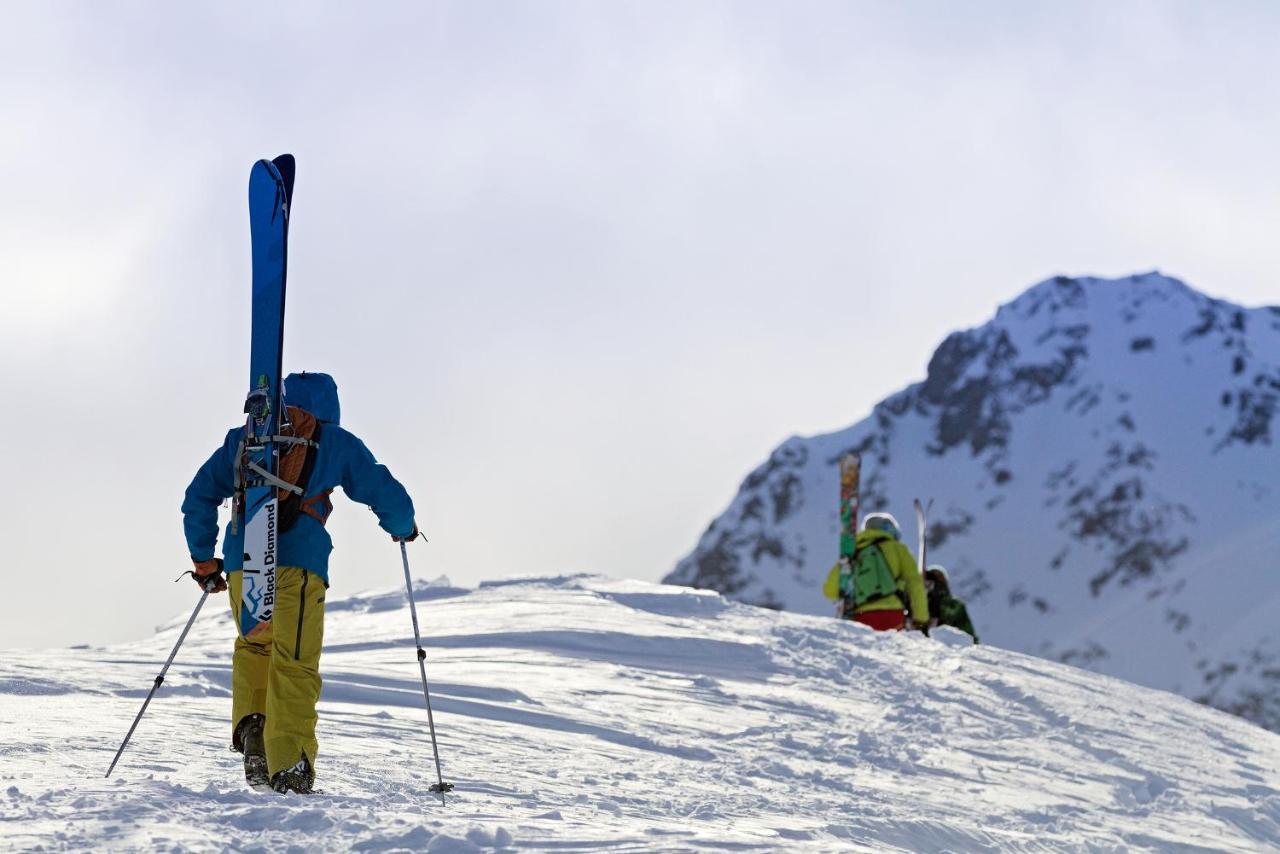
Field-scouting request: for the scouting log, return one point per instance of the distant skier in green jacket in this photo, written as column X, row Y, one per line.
column 881, row 582
column 945, row 609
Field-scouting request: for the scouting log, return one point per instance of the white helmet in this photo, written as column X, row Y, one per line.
column 882, row 522
column 937, row 567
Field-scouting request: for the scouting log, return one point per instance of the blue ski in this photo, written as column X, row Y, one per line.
column 270, row 191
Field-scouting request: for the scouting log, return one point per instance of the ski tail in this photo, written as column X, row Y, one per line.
column 922, row 525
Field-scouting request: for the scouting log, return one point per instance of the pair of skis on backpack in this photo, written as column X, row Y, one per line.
column 270, row 202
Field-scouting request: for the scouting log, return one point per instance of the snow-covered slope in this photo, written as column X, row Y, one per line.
column 586, row 714
column 1102, row 454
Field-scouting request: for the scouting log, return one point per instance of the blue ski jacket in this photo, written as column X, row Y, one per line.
column 341, row 460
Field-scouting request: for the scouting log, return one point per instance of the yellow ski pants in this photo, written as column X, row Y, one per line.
column 277, row 674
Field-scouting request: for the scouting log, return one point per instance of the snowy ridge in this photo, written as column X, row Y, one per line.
column 1102, row 454
column 592, row 714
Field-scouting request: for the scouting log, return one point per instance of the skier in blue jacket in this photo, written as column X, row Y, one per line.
column 275, row 675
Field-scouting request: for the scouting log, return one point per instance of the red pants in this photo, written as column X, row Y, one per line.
column 882, row 621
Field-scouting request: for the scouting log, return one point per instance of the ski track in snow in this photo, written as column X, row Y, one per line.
column 580, row 713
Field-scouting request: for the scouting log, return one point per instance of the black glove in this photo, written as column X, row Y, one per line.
column 208, row 575
column 410, row 538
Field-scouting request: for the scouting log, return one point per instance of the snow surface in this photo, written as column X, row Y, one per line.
column 580, row 713
column 1103, row 456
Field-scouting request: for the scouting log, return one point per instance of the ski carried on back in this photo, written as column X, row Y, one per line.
column 270, row 193
column 850, row 485
column 922, row 526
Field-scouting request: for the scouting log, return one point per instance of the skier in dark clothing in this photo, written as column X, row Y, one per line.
column 945, row 609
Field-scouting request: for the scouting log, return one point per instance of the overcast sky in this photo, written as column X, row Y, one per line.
column 577, row 267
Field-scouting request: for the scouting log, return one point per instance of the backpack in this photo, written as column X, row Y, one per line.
column 295, row 467
column 867, row 576
column 301, row 438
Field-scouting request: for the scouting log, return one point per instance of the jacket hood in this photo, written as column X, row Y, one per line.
column 316, row 393
column 873, row 535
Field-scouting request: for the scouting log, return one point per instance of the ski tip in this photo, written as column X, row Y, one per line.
column 287, row 167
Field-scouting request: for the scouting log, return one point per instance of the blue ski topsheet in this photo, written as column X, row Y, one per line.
column 270, row 187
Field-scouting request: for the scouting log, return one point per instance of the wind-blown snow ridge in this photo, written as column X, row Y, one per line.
column 1102, row 454
column 584, row 713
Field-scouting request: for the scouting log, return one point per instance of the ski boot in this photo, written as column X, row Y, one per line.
column 299, row 778
column 248, row 740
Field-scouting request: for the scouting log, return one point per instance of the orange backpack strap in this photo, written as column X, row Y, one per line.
column 303, row 435
column 318, row 506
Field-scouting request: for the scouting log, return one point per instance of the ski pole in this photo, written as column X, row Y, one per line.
column 440, row 786
column 159, row 680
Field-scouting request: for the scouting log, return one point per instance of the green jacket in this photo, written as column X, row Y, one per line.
column 947, row 610
column 903, row 567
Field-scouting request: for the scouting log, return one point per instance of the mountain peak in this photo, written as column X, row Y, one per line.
column 1068, row 293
